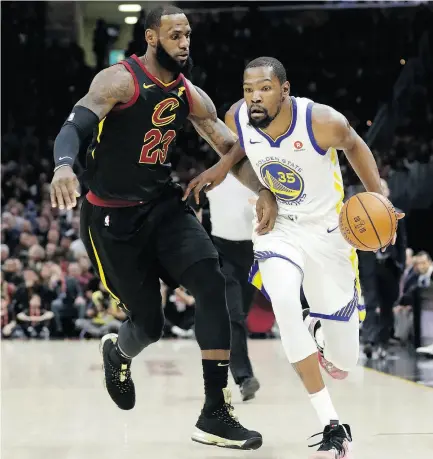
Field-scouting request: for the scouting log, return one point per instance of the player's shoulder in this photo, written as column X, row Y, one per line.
column 202, row 105
column 116, row 72
column 115, row 80
column 324, row 115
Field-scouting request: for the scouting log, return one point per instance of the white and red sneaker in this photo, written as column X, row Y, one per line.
column 314, row 327
column 330, row 368
column 336, row 442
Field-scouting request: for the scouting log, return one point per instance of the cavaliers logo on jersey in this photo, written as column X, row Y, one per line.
column 161, row 113
column 283, row 181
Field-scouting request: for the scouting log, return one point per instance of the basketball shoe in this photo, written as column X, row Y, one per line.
column 335, row 443
column 117, row 372
column 249, row 387
column 314, row 326
column 222, row 428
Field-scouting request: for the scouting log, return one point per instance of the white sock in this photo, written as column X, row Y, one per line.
column 324, row 407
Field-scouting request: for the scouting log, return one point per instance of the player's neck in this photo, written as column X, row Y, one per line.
column 282, row 122
column 152, row 65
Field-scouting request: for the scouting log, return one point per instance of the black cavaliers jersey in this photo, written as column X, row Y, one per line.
column 129, row 158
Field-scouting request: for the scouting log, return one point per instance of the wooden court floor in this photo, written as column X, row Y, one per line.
column 54, row 406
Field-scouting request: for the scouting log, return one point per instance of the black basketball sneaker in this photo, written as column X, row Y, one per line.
column 222, row 428
column 117, row 371
column 335, row 444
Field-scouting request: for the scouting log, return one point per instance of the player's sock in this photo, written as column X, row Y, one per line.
column 118, row 356
column 324, row 407
column 215, row 375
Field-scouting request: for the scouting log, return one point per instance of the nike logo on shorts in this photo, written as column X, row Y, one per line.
column 332, row 229
column 223, row 364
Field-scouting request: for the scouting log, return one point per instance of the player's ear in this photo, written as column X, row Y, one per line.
column 285, row 90
column 151, row 37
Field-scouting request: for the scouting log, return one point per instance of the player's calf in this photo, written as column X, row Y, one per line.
column 315, row 328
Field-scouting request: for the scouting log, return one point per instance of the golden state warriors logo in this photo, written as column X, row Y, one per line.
column 283, row 181
column 169, row 104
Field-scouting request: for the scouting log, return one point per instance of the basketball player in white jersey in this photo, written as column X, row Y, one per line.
column 291, row 143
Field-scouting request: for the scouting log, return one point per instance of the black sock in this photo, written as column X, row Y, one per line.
column 215, row 375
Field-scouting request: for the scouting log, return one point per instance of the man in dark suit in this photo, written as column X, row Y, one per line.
column 380, row 278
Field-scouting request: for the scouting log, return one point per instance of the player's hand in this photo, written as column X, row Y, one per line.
column 64, row 188
column 399, row 216
column 266, row 210
column 208, row 179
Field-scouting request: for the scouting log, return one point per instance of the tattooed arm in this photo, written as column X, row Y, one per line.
column 109, row 87
column 223, row 139
column 204, row 118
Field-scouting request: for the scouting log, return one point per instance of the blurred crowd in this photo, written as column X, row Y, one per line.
column 48, row 286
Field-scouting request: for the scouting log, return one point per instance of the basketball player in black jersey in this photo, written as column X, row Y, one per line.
column 136, row 226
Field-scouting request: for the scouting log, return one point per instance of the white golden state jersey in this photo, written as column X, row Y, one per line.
column 305, row 179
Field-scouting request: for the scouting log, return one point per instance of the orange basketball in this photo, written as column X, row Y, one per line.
column 368, row 221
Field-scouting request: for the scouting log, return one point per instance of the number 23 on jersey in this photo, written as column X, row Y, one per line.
column 156, row 146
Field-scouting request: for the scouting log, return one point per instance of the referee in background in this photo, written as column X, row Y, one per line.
column 231, row 221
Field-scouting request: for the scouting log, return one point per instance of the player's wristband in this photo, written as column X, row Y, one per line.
column 261, row 189
column 79, row 125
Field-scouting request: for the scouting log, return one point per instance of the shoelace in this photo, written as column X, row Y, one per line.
column 122, row 377
column 226, row 414
column 333, row 439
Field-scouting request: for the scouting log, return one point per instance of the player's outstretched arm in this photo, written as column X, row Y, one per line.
column 204, row 118
column 109, row 87
column 332, row 130
column 223, row 138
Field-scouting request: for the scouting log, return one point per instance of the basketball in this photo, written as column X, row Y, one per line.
column 368, row 221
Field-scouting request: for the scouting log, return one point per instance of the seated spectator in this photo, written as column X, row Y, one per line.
column 70, row 302
column 8, row 322
column 104, row 315
column 26, row 290
column 420, row 298
column 179, row 312
column 4, row 253
column 35, row 257
column 35, row 320
column 403, row 315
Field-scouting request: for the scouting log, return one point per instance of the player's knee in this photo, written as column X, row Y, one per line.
column 206, row 282
column 149, row 330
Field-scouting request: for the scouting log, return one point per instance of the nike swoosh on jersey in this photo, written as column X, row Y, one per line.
column 332, row 229
column 252, row 143
column 147, row 86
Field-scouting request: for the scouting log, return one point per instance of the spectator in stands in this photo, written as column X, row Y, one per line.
column 70, row 302
column 403, row 315
column 102, row 317
column 421, row 300
column 35, row 320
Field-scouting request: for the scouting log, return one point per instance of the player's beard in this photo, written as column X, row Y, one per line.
column 263, row 122
column 172, row 65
